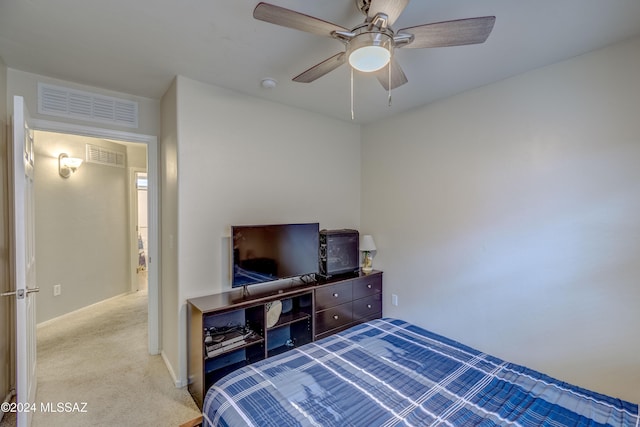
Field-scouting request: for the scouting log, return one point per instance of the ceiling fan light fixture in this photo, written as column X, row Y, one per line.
column 369, row 58
column 370, row 52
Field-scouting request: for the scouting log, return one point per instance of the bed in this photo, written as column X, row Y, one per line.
column 388, row 372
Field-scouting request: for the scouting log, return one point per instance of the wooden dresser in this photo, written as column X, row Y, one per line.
column 339, row 305
column 315, row 310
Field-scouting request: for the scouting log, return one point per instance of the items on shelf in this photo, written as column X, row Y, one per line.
column 274, row 310
column 220, row 339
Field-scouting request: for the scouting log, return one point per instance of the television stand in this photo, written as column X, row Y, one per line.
column 309, row 312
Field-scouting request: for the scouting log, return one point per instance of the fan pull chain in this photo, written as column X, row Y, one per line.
column 352, row 114
column 389, row 83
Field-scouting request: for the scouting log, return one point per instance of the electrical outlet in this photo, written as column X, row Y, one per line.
column 57, row 290
column 394, row 299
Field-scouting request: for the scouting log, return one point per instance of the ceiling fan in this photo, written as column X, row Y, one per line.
column 369, row 46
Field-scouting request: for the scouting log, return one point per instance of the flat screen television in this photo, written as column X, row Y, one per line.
column 264, row 253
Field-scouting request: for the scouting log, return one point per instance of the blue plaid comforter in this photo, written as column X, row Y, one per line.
column 388, row 372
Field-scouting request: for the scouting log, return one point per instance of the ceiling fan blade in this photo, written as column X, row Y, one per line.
column 397, row 75
column 451, row 33
column 321, row 69
column 292, row 19
column 391, row 8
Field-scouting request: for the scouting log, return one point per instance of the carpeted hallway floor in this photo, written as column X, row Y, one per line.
column 99, row 356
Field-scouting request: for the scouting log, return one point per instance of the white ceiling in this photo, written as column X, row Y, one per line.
column 138, row 46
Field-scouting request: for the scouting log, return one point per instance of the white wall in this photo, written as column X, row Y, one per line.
column 82, row 228
column 243, row 160
column 507, row 218
column 137, row 156
column 26, row 85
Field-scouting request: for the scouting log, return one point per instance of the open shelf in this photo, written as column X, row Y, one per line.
column 292, row 333
column 222, row 364
column 279, row 350
column 289, row 318
column 298, row 337
column 215, row 375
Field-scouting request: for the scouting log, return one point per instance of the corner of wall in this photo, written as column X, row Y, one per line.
column 169, row 226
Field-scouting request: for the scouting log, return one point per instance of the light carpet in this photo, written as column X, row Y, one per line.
column 99, row 356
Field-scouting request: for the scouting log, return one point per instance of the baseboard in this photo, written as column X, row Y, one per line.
column 176, row 381
column 81, row 309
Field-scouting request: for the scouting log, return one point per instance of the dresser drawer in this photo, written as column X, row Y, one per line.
column 333, row 318
column 367, row 285
column 367, row 306
column 330, row 296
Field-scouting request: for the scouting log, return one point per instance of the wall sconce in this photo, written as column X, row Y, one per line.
column 68, row 165
column 367, row 245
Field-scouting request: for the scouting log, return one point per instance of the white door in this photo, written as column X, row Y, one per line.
column 25, row 257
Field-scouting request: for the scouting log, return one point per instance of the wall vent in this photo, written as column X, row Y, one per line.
column 100, row 155
column 77, row 104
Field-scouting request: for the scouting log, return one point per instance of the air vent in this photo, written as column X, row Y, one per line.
column 64, row 102
column 100, row 155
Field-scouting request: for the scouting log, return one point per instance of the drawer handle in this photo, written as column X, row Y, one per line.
column 335, row 294
column 368, row 305
column 369, row 286
column 335, row 317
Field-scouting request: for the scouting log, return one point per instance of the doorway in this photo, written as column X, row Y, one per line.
column 150, row 142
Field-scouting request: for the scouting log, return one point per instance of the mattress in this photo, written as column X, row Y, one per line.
column 388, row 372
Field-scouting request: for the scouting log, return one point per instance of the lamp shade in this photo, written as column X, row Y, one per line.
column 68, row 165
column 367, row 244
column 71, row 162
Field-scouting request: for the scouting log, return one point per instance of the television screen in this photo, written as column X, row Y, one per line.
column 263, row 253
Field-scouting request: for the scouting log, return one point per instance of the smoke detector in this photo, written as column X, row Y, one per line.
column 268, row 83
